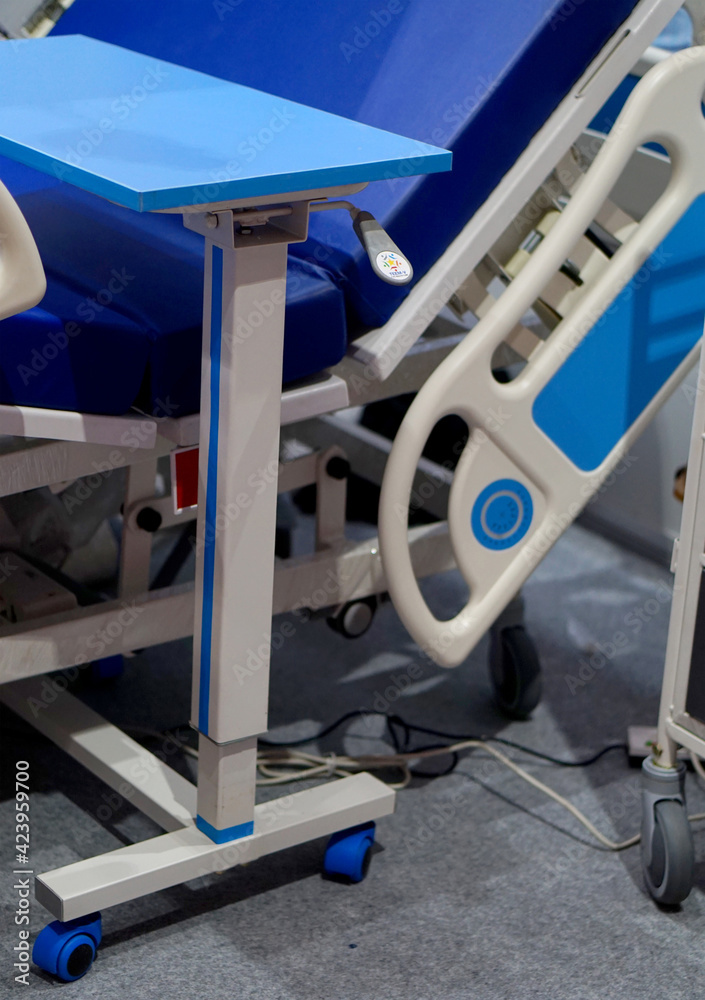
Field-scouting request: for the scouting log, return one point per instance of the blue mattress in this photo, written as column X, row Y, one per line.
column 120, row 323
column 479, row 77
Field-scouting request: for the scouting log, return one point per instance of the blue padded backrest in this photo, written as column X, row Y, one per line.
column 479, row 77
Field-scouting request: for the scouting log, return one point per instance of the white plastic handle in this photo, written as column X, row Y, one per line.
column 22, row 281
column 665, row 107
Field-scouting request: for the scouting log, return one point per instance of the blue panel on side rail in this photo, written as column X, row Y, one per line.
column 618, row 368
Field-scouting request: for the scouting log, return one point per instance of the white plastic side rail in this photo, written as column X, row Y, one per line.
column 666, row 107
column 22, row 281
column 381, row 350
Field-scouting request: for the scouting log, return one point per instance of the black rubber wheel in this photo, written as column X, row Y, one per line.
column 355, row 618
column 515, row 671
column 79, row 961
column 669, row 876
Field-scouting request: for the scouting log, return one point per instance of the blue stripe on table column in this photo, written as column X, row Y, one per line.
column 211, row 488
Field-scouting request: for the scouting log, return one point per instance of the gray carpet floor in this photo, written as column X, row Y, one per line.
column 479, row 888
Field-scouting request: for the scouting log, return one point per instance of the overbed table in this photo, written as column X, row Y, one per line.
column 153, row 136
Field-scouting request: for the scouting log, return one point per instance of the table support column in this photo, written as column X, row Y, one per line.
column 241, row 377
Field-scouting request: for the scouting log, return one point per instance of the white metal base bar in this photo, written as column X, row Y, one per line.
column 133, row 772
column 174, row 858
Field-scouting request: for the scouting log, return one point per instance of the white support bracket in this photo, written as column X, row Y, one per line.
column 237, row 229
column 133, row 772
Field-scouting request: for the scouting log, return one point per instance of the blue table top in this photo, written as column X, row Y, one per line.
column 151, row 135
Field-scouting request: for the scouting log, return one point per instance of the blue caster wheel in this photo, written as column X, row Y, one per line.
column 67, row 950
column 349, row 852
column 108, row 668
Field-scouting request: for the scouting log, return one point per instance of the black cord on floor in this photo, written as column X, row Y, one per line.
column 400, row 732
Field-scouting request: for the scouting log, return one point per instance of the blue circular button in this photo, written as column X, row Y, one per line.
column 502, row 514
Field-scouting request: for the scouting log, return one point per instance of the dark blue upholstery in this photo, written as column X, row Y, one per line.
column 476, row 76
column 121, row 321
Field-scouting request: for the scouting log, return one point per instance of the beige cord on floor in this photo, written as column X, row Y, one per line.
column 282, row 766
column 307, row 765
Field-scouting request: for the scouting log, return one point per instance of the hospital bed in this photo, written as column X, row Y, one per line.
column 101, row 375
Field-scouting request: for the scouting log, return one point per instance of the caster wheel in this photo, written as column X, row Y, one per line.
column 668, row 861
column 349, row 852
column 107, row 669
column 515, row 671
column 67, row 950
column 354, row 618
